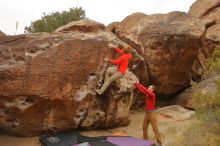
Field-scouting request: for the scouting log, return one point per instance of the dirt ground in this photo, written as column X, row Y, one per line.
column 171, row 132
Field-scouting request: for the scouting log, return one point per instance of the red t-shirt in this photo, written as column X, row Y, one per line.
column 150, row 97
column 122, row 61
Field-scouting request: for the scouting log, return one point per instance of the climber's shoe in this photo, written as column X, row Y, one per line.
column 98, row 92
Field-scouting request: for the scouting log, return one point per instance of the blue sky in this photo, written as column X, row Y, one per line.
column 104, row 11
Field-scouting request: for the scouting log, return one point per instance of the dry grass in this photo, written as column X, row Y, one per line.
column 212, row 65
column 205, row 131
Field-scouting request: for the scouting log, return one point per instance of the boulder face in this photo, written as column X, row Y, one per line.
column 213, row 33
column 2, row 34
column 82, row 25
column 174, row 113
column 202, row 7
column 187, row 98
column 213, row 15
column 208, row 11
column 48, row 81
column 111, row 27
column 116, row 101
column 169, row 44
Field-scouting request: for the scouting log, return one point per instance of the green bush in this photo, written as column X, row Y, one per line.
column 50, row 22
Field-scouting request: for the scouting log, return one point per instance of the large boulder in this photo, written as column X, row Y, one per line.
column 169, row 44
column 116, row 101
column 111, row 27
column 213, row 33
column 212, row 36
column 208, row 11
column 174, row 113
column 48, row 81
column 82, row 25
column 212, row 16
column 2, row 34
column 188, row 98
column 203, row 7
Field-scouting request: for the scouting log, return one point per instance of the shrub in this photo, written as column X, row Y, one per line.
column 50, row 22
column 212, row 65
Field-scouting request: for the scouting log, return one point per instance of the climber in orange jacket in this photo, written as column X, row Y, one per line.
column 122, row 65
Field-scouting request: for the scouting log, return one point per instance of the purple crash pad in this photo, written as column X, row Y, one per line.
column 125, row 141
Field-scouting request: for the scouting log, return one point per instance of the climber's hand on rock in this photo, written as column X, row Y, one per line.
column 133, row 87
column 106, row 59
column 141, row 59
column 111, row 46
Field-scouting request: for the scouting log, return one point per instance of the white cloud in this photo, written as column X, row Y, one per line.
column 104, row 11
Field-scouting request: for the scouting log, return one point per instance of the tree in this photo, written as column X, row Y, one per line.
column 50, row 22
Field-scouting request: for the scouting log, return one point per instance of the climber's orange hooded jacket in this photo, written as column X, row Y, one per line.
column 122, row 61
